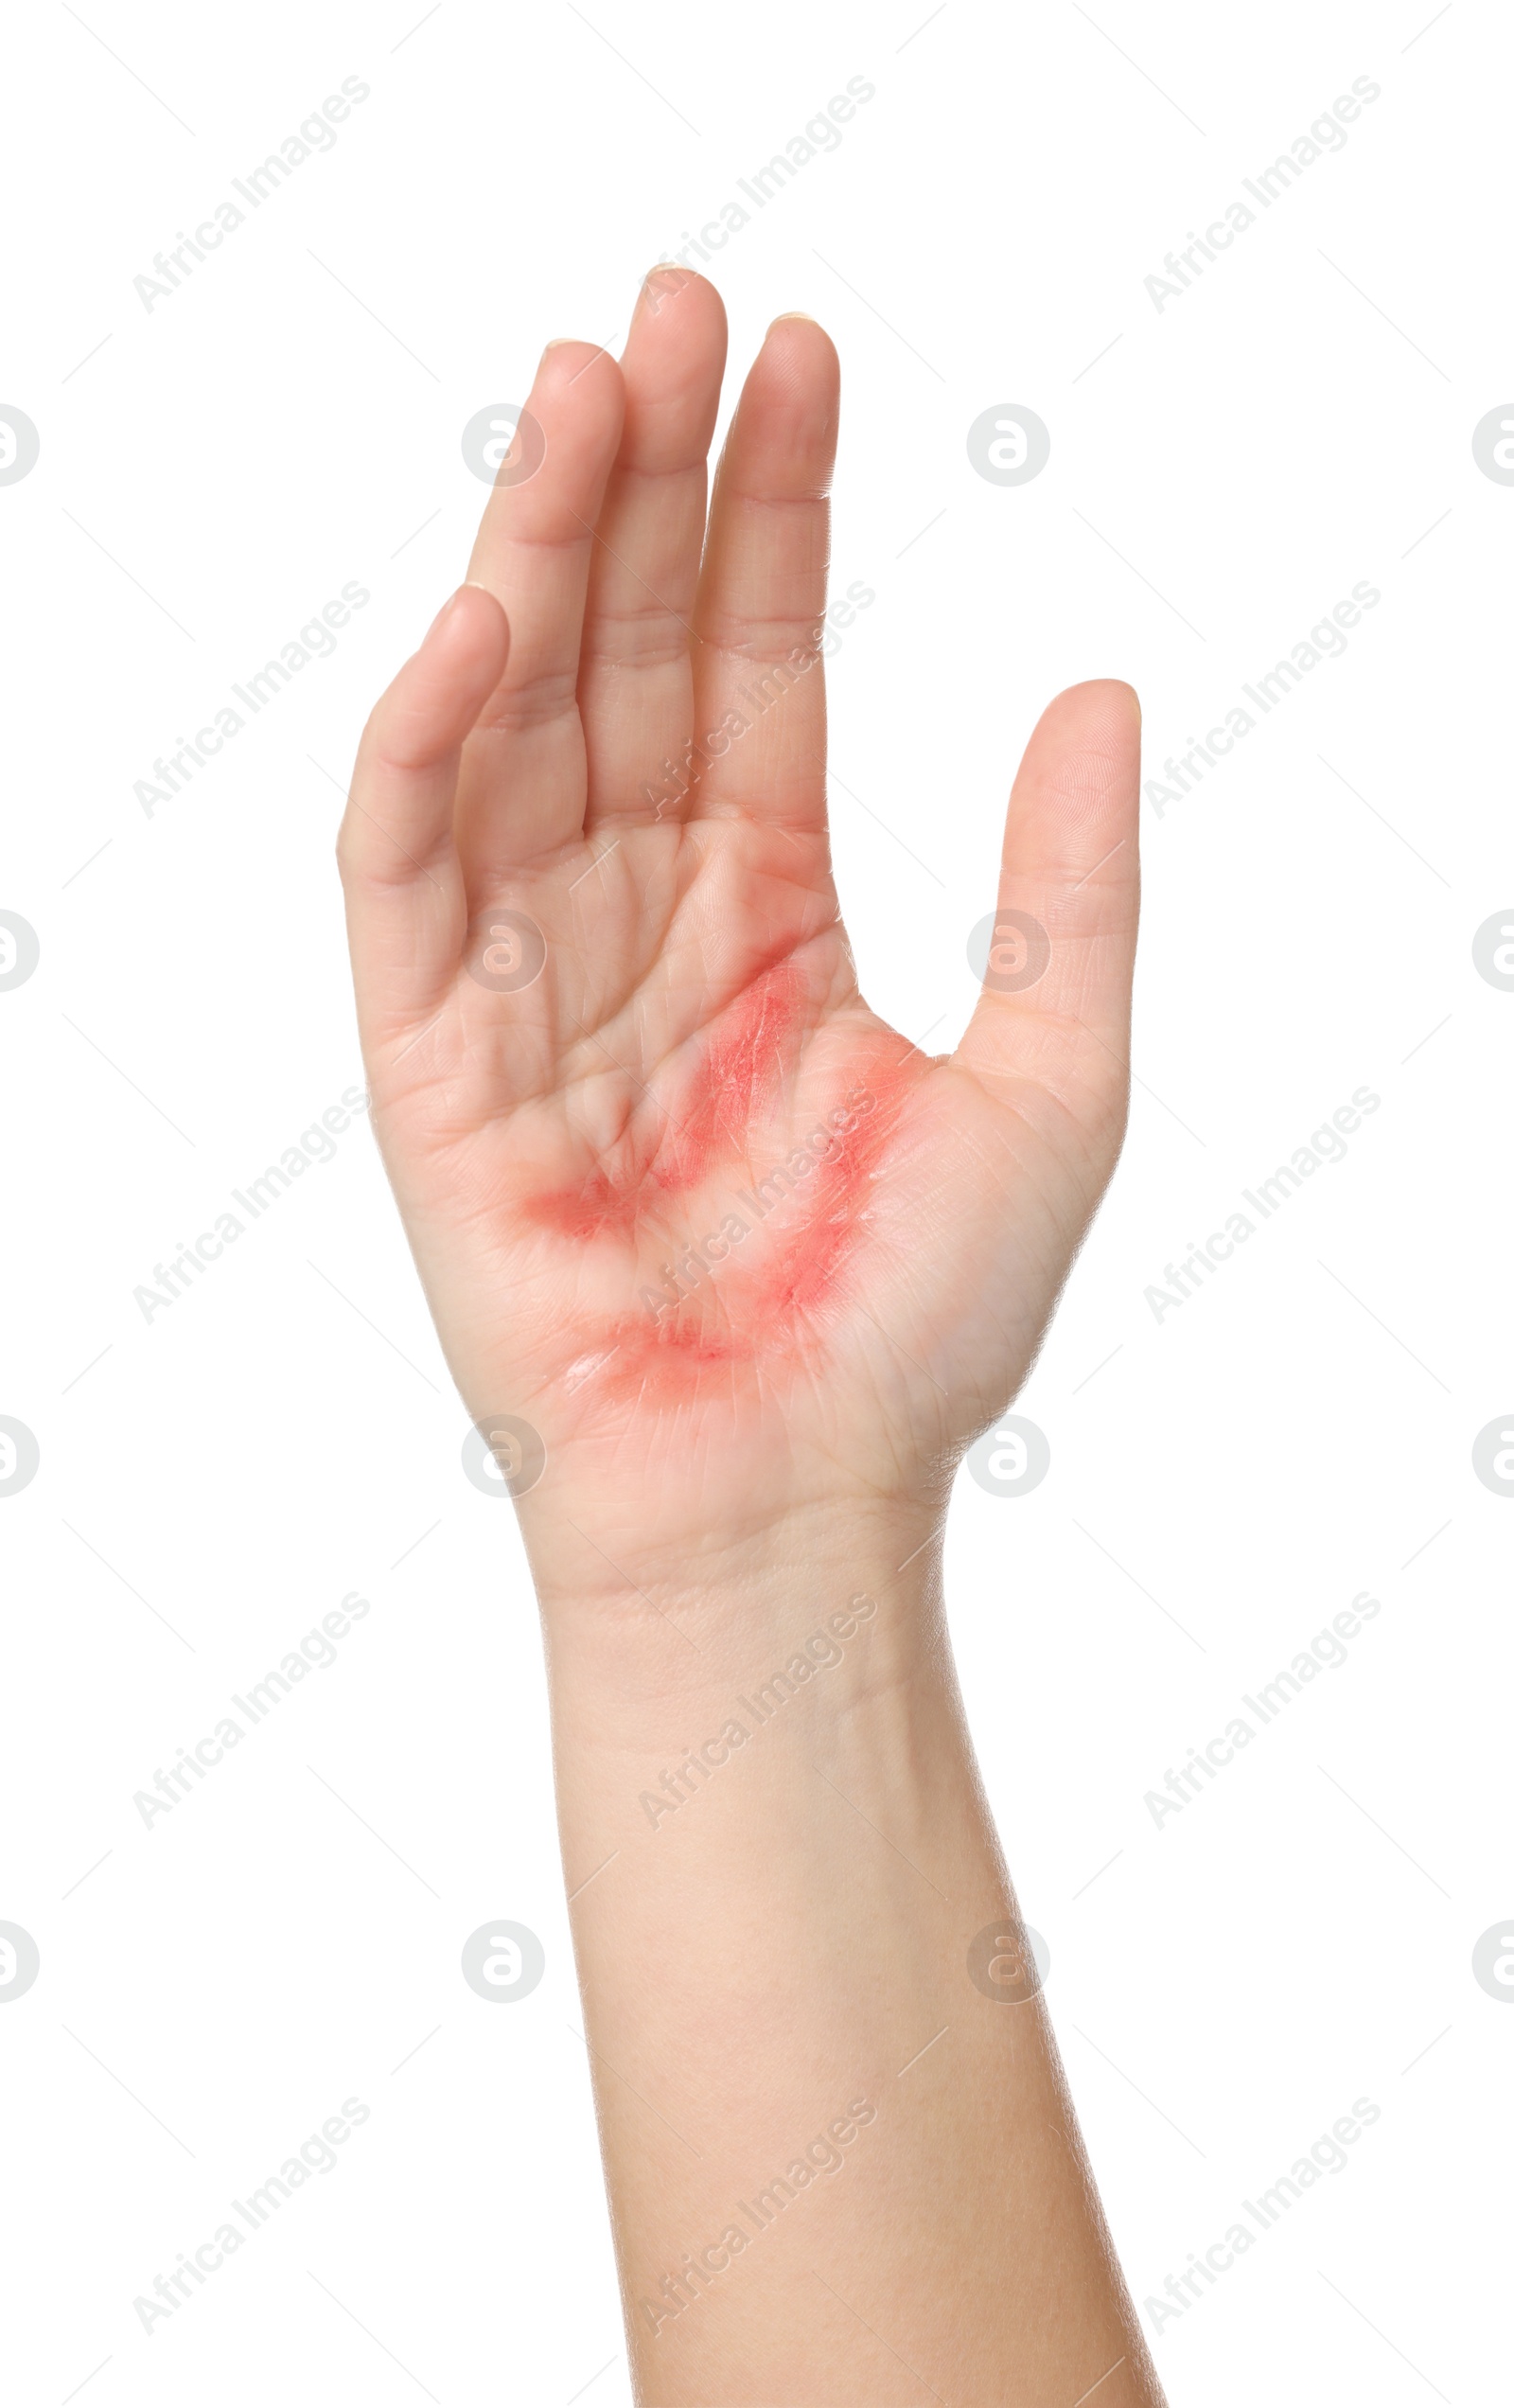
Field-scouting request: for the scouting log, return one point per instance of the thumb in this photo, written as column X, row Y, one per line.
column 1061, row 950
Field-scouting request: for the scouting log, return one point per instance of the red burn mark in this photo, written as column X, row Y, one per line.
column 742, row 1070
column 813, row 1242
column 804, row 1226
column 596, row 1206
column 739, row 1073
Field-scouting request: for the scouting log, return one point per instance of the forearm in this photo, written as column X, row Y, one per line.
column 837, row 2169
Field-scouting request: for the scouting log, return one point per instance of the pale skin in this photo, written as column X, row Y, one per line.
column 742, row 1439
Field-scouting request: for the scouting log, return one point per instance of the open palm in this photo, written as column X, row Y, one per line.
column 685, row 1207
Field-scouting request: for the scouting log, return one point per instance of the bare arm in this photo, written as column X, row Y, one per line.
column 730, row 1274
column 840, row 2169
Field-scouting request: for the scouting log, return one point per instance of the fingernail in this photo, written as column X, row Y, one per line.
column 660, row 282
column 784, row 315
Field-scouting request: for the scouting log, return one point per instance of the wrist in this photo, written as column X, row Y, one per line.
column 804, row 1623
column 632, row 1581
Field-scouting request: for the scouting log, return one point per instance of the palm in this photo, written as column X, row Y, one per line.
column 680, row 1200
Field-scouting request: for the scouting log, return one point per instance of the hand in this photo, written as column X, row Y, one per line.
column 735, row 1247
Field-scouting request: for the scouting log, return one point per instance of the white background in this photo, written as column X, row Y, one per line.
column 1222, row 1483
